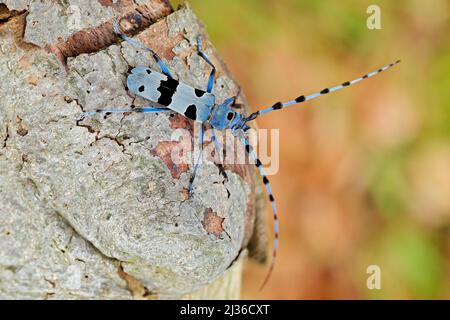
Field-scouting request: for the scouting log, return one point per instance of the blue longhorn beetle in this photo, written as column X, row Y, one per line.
column 200, row 106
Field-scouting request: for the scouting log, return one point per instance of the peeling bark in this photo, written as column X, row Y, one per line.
column 92, row 208
column 6, row 14
column 134, row 18
column 213, row 223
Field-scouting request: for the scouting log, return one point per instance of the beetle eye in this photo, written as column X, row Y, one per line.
column 230, row 116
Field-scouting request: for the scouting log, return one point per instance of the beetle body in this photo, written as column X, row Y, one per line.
column 193, row 103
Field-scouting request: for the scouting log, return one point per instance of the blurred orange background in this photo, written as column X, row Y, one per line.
column 364, row 174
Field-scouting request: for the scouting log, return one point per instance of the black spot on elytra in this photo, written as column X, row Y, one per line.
column 191, row 112
column 258, row 163
column 149, row 71
column 325, row 91
column 230, row 116
column 141, row 89
column 346, row 84
column 167, row 88
column 199, row 93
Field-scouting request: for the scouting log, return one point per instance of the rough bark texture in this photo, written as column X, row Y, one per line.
column 95, row 208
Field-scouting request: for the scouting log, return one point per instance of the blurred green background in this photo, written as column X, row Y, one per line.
column 364, row 173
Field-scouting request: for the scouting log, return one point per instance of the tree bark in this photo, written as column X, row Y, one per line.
column 96, row 209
